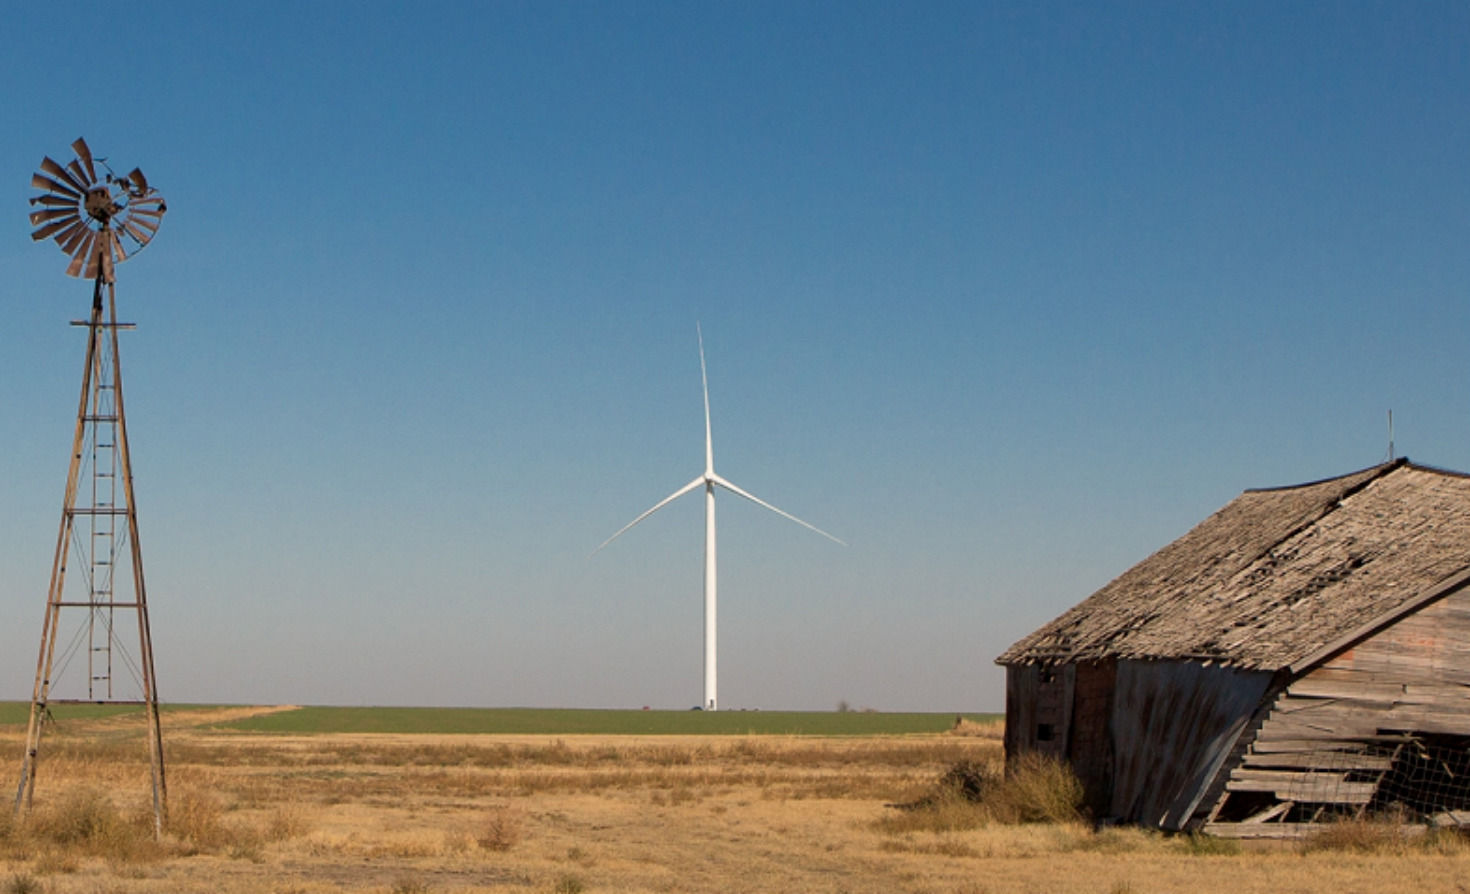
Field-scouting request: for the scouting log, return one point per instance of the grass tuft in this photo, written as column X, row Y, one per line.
column 569, row 884
column 85, row 821
column 197, row 819
column 410, row 884
column 1359, row 836
column 1198, row 844
column 24, row 883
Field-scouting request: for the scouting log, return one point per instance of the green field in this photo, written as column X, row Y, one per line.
column 20, row 712
column 548, row 721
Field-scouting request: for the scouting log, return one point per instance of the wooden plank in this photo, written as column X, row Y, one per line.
column 1287, row 746
column 1353, row 793
column 1311, row 788
column 1451, row 818
column 1332, row 728
column 1319, row 760
column 1285, row 830
column 1261, row 830
column 1369, row 687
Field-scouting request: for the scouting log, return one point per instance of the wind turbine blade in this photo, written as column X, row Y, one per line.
column 709, row 443
column 781, row 512
column 698, row 482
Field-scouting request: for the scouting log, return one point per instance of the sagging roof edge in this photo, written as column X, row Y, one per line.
column 1383, row 468
column 1430, row 594
column 1442, row 588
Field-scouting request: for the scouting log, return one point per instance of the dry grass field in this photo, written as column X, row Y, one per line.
column 292, row 814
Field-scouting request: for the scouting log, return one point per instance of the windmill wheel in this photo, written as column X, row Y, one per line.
column 99, row 223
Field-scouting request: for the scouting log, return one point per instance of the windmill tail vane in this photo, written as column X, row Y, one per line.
column 98, row 221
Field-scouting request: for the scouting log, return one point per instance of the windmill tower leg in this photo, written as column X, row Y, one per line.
column 91, row 523
column 710, row 665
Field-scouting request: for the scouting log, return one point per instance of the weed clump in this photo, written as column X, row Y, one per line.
column 1383, row 835
column 85, row 821
column 502, row 830
column 1036, row 789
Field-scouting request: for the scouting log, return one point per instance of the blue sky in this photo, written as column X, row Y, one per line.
column 1005, row 296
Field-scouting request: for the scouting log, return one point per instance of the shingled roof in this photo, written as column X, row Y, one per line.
column 1277, row 575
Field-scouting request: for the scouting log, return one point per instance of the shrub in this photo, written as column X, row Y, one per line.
column 198, row 819
column 286, row 823
column 502, row 830
column 1037, row 789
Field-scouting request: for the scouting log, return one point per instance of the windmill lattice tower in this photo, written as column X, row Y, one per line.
column 98, row 222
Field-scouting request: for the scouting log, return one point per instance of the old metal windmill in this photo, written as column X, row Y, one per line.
column 98, row 222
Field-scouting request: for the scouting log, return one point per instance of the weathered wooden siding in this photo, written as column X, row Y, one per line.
column 1322, row 742
column 1039, row 709
column 1174, row 723
column 1090, row 743
column 1020, row 709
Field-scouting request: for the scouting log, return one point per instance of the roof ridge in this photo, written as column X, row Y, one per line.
column 1381, row 468
column 1437, row 470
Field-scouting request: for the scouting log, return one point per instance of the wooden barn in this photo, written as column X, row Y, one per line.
column 1302, row 654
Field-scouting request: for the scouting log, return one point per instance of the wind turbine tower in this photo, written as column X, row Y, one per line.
column 708, row 481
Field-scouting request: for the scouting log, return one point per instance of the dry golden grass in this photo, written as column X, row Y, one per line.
column 379, row 814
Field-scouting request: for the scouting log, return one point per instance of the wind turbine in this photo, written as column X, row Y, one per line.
column 708, row 480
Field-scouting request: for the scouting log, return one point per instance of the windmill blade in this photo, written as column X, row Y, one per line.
column 46, row 231
column 698, row 482
column 58, row 201
column 85, row 154
column 41, row 181
column 57, row 170
column 156, row 214
column 94, row 255
column 781, row 512
column 71, row 237
column 88, row 182
column 139, row 182
column 81, row 253
column 40, row 217
column 151, row 225
column 138, row 234
column 119, row 254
